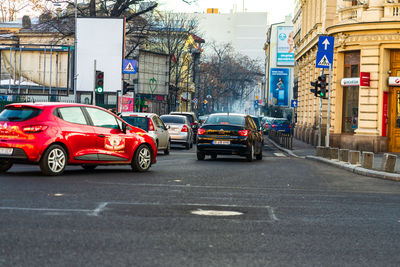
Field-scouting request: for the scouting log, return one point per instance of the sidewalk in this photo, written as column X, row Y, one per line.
column 304, row 150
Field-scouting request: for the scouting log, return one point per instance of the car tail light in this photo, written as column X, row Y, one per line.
column 290, row 126
column 244, row 132
column 151, row 125
column 34, row 128
column 266, row 125
column 201, row 131
column 273, row 126
column 185, row 129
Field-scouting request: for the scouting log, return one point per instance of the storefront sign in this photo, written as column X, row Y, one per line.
column 364, row 78
column 350, row 82
column 394, row 81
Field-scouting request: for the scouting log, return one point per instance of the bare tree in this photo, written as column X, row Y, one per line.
column 10, row 9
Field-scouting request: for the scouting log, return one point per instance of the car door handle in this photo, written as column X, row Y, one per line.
column 101, row 135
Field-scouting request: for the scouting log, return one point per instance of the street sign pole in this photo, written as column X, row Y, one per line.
column 320, row 119
column 328, row 115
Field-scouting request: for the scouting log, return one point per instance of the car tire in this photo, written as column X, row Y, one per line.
column 187, row 145
column 5, row 165
column 168, row 149
column 89, row 167
column 53, row 161
column 250, row 156
column 201, row 156
column 214, row 156
column 259, row 156
column 141, row 161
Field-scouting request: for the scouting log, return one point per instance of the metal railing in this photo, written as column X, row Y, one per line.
column 281, row 138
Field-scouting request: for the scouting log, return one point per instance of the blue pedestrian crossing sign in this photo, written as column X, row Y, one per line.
column 324, row 60
column 325, row 43
column 293, row 103
column 129, row 66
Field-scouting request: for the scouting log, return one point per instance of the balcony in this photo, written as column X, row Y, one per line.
column 391, row 10
column 351, row 11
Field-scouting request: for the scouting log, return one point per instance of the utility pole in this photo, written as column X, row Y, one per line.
column 328, row 115
column 75, row 51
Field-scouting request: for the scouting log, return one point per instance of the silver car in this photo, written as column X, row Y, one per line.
column 179, row 129
column 153, row 125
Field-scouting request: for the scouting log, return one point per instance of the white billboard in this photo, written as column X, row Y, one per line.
column 285, row 47
column 99, row 39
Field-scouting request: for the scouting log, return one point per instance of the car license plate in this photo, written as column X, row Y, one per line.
column 6, row 151
column 221, row 142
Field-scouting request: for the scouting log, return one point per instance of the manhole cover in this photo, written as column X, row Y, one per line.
column 216, row 212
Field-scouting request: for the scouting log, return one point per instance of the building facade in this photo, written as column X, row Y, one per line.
column 364, row 113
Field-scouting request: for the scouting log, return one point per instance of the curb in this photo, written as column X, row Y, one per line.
column 288, row 151
column 357, row 169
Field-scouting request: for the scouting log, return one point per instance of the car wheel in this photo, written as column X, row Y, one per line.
column 53, row 161
column 187, row 145
column 141, row 161
column 89, row 167
column 214, row 156
column 5, row 165
column 201, row 155
column 259, row 156
column 166, row 151
column 191, row 144
column 250, row 156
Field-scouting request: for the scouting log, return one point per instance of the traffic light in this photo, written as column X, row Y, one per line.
column 322, row 84
column 99, row 83
column 125, row 88
column 315, row 89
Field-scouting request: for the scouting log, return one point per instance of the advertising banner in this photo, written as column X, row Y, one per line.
column 279, row 87
column 285, row 46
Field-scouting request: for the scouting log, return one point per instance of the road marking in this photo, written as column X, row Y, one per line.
column 216, row 213
column 280, row 155
column 99, row 209
column 271, row 213
column 44, row 209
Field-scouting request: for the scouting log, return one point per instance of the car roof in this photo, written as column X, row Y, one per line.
column 138, row 114
column 42, row 105
column 174, row 115
column 229, row 114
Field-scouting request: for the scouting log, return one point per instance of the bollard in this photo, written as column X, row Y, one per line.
column 326, row 152
column 389, row 162
column 354, row 157
column 334, row 153
column 368, row 160
column 344, row 155
column 320, row 151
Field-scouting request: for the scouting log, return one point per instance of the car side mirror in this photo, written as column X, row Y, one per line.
column 124, row 127
column 168, row 127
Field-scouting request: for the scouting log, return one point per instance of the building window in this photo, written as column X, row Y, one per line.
column 350, row 93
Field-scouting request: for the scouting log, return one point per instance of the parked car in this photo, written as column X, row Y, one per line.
column 194, row 122
column 54, row 135
column 229, row 134
column 281, row 125
column 153, row 125
column 179, row 129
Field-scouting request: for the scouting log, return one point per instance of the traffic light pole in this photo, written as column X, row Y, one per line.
column 328, row 115
column 94, row 84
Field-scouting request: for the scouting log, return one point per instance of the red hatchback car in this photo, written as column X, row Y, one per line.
column 55, row 135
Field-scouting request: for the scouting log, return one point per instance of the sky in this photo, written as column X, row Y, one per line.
column 277, row 9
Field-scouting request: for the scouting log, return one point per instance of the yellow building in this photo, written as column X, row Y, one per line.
column 367, row 41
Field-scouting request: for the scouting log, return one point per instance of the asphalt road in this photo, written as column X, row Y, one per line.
column 280, row 211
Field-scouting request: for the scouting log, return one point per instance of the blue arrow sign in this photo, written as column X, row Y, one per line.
column 293, row 103
column 325, row 43
column 324, row 60
column 129, row 66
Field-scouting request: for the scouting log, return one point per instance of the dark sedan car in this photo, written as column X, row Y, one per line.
column 229, row 134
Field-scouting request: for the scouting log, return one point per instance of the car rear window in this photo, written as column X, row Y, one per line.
column 140, row 122
column 282, row 121
column 19, row 113
column 190, row 117
column 172, row 119
column 226, row 119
